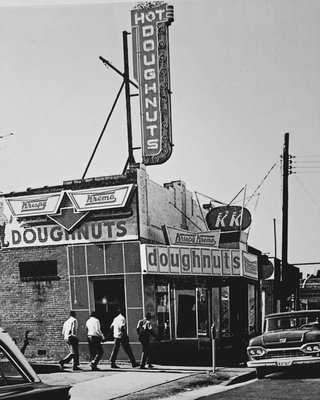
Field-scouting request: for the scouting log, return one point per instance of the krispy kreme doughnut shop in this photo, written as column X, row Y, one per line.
column 100, row 243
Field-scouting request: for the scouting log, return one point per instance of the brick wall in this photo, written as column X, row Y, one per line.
column 39, row 307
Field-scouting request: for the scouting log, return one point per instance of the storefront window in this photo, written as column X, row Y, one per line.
column 203, row 312
column 251, row 309
column 163, row 314
column 186, row 313
column 225, row 311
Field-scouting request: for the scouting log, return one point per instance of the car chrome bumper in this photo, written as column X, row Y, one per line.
column 283, row 362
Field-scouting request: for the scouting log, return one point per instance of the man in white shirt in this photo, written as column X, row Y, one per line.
column 69, row 333
column 121, row 338
column 95, row 337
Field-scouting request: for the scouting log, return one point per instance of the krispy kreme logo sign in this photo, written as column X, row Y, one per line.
column 103, row 197
column 34, row 205
column 177, row 236
column 151, row 69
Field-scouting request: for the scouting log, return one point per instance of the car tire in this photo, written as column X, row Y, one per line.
column 261, row 372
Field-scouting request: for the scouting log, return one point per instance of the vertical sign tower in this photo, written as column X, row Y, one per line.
column 150, row 42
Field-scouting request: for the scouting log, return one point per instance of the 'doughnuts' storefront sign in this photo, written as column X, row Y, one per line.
column 198, row 261
column 67, row 217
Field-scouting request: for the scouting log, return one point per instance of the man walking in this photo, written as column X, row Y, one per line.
column 121, row 337
column 95, row 337
column 144, row 331
column 69, row 332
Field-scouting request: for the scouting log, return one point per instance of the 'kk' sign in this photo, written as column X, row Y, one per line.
column 150, row 42
column 228, row 218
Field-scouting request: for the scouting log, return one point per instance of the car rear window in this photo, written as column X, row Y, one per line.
column 309, row 321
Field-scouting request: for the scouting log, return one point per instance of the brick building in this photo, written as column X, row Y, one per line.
column 99, row 243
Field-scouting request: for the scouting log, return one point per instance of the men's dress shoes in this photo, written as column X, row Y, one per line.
column 94, row 367
column 142, row 367
column 150, row 366
column 77, row 369
column 135, row 365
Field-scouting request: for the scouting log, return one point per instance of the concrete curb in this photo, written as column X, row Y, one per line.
column 153, row 386
column 241, row 378
column 213, row 389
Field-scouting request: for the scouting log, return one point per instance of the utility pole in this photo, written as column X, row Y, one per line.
column 285, row 175
column 275, row 280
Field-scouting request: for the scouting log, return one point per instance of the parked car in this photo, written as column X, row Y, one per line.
column 17, row 378
column 290, row 339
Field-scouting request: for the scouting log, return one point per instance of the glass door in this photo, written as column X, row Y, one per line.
column 225, row 311
column 215, row 307
column 203, row 312
column 163, row 311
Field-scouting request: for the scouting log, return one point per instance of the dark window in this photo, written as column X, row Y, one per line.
column 38, row 270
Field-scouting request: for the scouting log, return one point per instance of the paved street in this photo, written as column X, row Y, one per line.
column 300, row 384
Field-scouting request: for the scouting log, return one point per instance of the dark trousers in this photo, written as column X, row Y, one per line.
column 124, row 341
column 73, row 343
column 95, row 349
column 145, row 356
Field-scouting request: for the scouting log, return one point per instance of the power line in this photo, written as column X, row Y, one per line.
column 307, row 162
column 261, row 183
column 307, row 156
column 3, row 136
column 307, row 192
column 305, row 172
column 309, row 167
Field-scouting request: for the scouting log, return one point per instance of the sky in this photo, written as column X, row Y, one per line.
column 243, row 73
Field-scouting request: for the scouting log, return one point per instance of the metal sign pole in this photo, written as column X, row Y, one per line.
column 131, row 160
column 213, row 346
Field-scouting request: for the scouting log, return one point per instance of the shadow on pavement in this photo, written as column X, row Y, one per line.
column 303, row 372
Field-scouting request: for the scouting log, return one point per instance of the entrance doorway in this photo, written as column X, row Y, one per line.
column 108, row 297
column 186, row 313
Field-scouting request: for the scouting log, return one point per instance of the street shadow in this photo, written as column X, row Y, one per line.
column 303, row 372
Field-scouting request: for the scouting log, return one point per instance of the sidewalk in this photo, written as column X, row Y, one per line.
column 130, row 384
